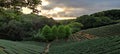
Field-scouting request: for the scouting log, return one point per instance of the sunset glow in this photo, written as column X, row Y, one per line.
column 26, row 10
column 63, row 18
column 45, row 3
column 49, row 13
column 58, row 9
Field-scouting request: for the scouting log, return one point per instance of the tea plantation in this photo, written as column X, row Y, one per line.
column 110, row 30
column 106, row 45
column 9, row 47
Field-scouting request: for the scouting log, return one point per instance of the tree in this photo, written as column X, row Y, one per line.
column 50, row 34
column 86, row 20
column 75, row 26
column 37, row 21
column 113, row 14
column 18, row 4
column 47, row 33
column 68, row 31
column 38, row 36
column 13, row 30
column 61, row 32
column 54, row 32
column 106, row 20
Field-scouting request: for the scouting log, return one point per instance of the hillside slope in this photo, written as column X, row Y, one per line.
column 106, row 45
column 9, row 47
column 110, row 30
column 104, row 31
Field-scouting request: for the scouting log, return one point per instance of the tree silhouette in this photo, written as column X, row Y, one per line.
column 18, row 4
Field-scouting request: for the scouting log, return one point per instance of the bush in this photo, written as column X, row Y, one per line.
column 61, row 32
column 91, row 21
column 50, row 34
column 12, row 30
column 68, row 31
column 18, row 26
column 112, row 14
column 75, row 26
column 47, row 33
column 54, row 32
column 38, row 36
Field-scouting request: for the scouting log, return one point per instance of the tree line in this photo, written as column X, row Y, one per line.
column 53, row 33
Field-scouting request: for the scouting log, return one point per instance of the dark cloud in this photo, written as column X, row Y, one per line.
column 89, row 6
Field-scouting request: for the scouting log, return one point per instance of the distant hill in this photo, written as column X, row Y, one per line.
column 113, row 14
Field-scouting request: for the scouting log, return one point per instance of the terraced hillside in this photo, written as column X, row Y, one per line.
column 106, row 45
column 110, row 30
column 9, row 47
column 109, row 43
column 104, row 31
column 81, row 36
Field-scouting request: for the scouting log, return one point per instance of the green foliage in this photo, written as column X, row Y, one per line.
column 105, row 31
column 50, row 34
column 105, row 20
column 86, row 20
column 10, row 47
column 7, row 15
column 38, row 36
column 37, row 21
column 112, row 14
column 12, row 30
column 99, row 19
column 54, row 31
column 47, row 33
column 61, row 32
column 75, row 26
column 65, row 22
column 18, row 4
column 91, row 21
column 107, row 45
column 68, row 31
column 15, row 26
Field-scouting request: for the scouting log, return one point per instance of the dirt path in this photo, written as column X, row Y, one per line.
column 46, row 50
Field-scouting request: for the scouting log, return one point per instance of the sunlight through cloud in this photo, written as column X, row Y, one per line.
column 45, row 3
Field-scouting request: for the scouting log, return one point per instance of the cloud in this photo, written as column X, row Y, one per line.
column 81, row 7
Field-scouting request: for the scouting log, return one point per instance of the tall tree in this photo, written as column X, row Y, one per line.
column 61, row 32
column 68, row 31
column 54, row 32
column 75, row 26
column 47, row 33
column 18, row 4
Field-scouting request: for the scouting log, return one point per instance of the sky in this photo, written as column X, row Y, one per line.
column 75, row 8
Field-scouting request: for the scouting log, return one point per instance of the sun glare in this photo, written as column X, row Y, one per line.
column 45, row 3
column 63, row 18
column 49, row 13
column 58, row 9
column 26, row 10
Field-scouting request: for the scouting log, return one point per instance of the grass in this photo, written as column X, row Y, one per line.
column 9, row 47
column 96, row 46
column 105, row 31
